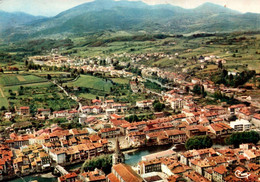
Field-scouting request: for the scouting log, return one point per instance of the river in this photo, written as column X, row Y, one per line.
column 131, row 158
column 39, row 177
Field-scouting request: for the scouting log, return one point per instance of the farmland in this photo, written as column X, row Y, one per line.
column 92, row 82
column 44, row 95
column 32, row 90
column 13, row 79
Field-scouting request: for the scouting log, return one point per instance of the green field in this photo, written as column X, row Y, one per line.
column 17, row 79
column 92, row 82
column 40, row 95
column 120, row 80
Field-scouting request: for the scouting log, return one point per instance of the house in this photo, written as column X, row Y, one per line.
column 149, row 166
column 93, row 176
column 158, row 155
column 235, row 108
column 8, row 115
column 220, row 129
column 176, row 103
column 219, row 173
column 256, row 120
column 177, row 136
column 96, row 102
column 195, row 81
column 194, row 154
column 120, row 107
column 144, row 104
column 58, row 155
column 109, row 132
column 96, row 109
column 240, row 125
column 45, row 160
column 191, row 176
column 110, row 111
column 60, row 114
column 195, row 130
column 24, row 111
column 108, row 103
column 245, row 113
column 136, row 138
column 70, row 177
column 123, row 173
column 44, row 112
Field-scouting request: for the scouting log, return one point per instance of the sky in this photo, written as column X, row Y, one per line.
column 53, row 7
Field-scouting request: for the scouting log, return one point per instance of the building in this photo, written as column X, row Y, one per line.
column 118, row 156
column 58, row 155
column 158, row 155
column 241, row 125
column 123, row 173
column 256, row 120
column 144, row 104
column 24, row 111
column 220, row 129
column 109, row 132
column 93, row 176
column 219, row 173
column 70, row 177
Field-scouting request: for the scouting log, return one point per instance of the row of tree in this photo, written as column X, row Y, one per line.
column 233, row 80
column 243, row 137
column 198, row 142
column 103, row 162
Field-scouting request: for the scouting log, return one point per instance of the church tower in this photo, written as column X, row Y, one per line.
column 118, row 156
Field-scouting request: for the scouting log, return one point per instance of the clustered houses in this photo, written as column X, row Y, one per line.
column 91, row 176
column 96, row 107
column 29, row 151
column 38, row 152
column 204, row 165
column 87, row 65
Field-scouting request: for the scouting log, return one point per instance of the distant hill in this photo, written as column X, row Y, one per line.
column 11, row 20
column 102, row 15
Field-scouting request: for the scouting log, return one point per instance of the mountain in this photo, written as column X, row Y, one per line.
column 11, row 20
column 102, row 15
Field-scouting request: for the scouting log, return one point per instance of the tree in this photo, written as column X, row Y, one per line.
column 158, row 107
column 243, row 137
column 196, row 89
column 220, row 65
column 26, row 63
column 198, row 142
column 132, row 118
column 49, row 77
column 103, row 162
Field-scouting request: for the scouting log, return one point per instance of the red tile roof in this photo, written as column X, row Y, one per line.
column 68, row 176
column 220, row 169
column 127, row 173
column 112, row 178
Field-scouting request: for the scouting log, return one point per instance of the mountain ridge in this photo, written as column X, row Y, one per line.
column 103, row 15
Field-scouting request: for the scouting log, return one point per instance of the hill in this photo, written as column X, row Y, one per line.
column 12, row 20
column 103, row 15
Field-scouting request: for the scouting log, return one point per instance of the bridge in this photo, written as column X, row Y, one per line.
column 61, row 170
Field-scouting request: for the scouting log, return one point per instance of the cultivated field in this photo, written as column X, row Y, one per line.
column 13, row 79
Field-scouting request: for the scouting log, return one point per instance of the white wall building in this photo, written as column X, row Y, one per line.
column 241, row 125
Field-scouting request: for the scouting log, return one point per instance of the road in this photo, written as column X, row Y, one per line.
column 73, row 97
column 159, row 83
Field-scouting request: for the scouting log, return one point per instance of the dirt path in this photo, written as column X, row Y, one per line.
column 2, row 93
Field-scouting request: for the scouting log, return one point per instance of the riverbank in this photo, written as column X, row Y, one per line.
column 39, row 177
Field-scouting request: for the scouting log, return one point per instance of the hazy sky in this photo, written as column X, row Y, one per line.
column 53, row 7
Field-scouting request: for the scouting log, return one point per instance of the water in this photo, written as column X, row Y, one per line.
column 131, row 158
column 39, row 177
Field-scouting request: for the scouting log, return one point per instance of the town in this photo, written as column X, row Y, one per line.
column 219, row 142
